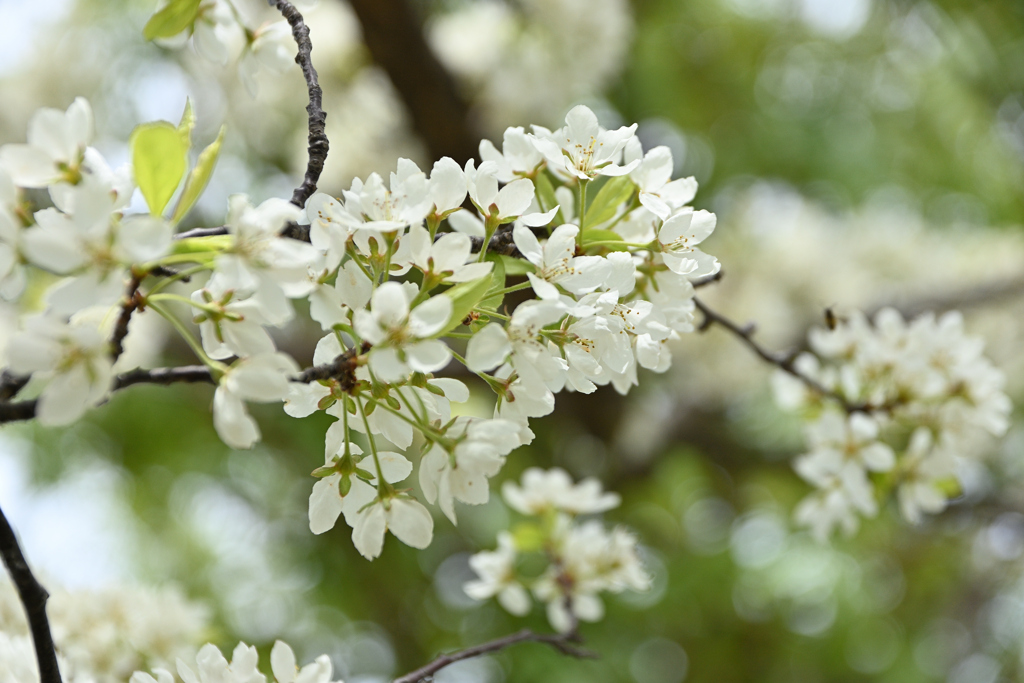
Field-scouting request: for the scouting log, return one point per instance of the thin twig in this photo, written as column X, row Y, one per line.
column 341, row 368
column 318, row 144
column 708, row 279
column 202, row 232
column 26, row 410
column 128, row 307
column 561, row 642
column 11, row 384
column 785, row 362
column 33, row 598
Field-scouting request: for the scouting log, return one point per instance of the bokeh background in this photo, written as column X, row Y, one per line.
column 859, row 153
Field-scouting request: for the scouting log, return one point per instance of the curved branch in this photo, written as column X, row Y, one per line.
column 341, row 368
column 318, row 144
column 33, row 598
column 785, row 362
column 564, row 643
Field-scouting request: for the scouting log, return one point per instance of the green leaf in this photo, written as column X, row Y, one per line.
column 175, row 17
column 546, row 196
column 514, row 266
column 545, row 192
column 614, row 192
column 591, row 236
column 493, row 301
column 465, row 297
column 198, row 178
column 159, row 156
column 188, row 121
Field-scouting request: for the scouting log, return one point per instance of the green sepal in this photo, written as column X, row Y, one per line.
column 325, row 471
column 199, row 177
column 159, row 158
column 364, row 475
column 613, row 194
column 172, row 19
column 345, row 485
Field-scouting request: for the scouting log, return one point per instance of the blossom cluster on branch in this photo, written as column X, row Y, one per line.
column 911, row 404
column 398, row 274
column 581, row 559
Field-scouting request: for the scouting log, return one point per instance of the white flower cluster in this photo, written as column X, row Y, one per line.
column 212, row 667
column 603, row 307
column 583, row 558
column 102, row 636
column 915, row 400
column 390, row 269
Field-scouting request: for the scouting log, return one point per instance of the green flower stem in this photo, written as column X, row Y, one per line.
column 490, row 226
column 353, row 256
column 382, row 486
column 181, row 299
column 216, row 368
column 492, row 314
column 201, row 257
column 582, row 210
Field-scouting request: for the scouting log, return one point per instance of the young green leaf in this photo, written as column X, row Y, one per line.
column 159, row 157
column 465, row 297
column 188, row 121
column 591, row 236
column 493, row 301
column 608, row 200
column 514, row 266
column 172, row 19
column 198, row 178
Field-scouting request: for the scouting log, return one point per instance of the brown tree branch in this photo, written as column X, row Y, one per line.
column 394, row 36
column 785, row 362
column 341, row 368
column 33, row 599
column 318, row 144
column 128, row 307
column 564, row 643
column 11, row 384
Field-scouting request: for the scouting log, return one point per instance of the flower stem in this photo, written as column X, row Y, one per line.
column 216, row 368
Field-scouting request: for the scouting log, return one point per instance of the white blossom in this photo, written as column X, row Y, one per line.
column 582, row 149
column 402, row 338
column 543, row 491
column 497, row 577
column 73, row 358
column 262, row 378
column 56, row 147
